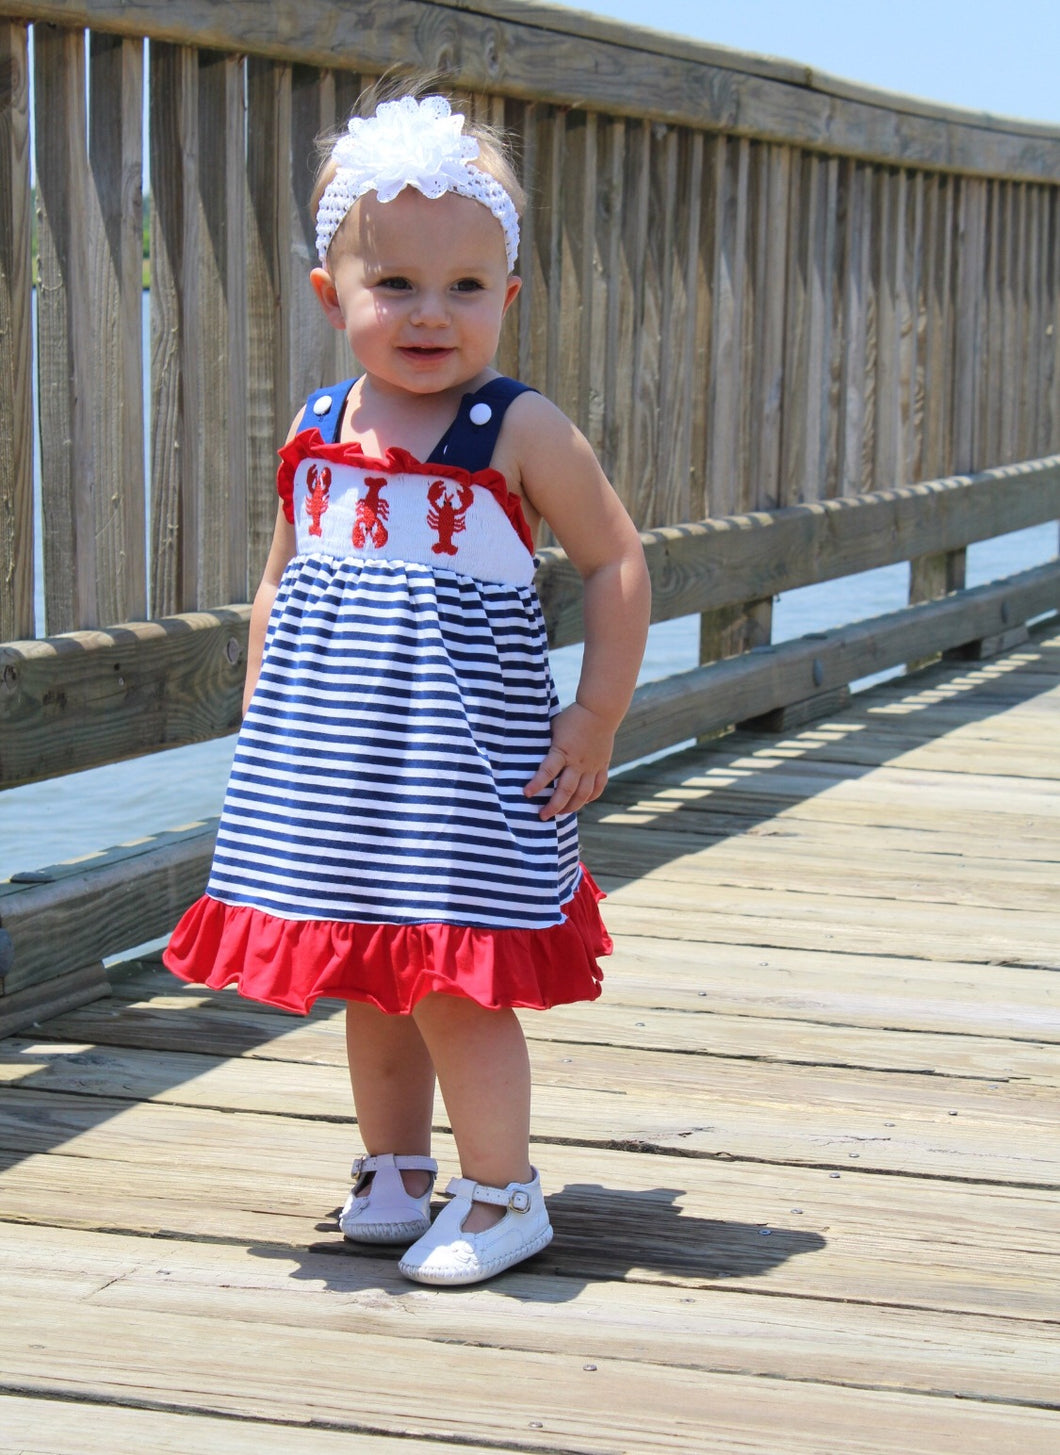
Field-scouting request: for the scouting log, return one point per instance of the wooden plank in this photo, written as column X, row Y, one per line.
column 317, row 353
column 649, row 363
column 509, row 119
column 938, row 325
column 803, row 863
column 806, row 352
column 94, row 697
column 531, row 51
column 1049, row 411
column 261, row 1378
column 911, row 325
column 990, row 381
column 889, row 241
column 1014, row 338
column 269, row 282
column 969, row 1356
column 610, row 203
column 770, row 188
column 67, row 385
column 692, row 1222
column 971, row 216
column 704, row 1106
column 701, row 264
column 220, row 266
column 669, row 207
column 176, row 386
column 636, row 193
column 833, row 986
column 730, row 162
column 724, row 915
column 526, row 139
column 1034, row 362
column 224, row 1025
column 134, row 895
column 116, row 266
column 573, row 288
column 95, row 1427
column 686, row 282
column 855, row 198
column 55, row 996
column 16, row 357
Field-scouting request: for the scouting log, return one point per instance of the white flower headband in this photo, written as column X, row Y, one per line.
column 410, row 143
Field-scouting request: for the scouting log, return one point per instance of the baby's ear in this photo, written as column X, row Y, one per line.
column 324, row 287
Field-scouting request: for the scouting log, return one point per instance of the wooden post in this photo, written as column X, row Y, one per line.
column 116, row 158
column 318, row 353
column 176, row 386
column 931, row 577
column 16, row 343
column 269, row 284
column 220, row 265
column 64, row 332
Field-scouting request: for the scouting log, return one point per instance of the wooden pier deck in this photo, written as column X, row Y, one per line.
column 802, row 1158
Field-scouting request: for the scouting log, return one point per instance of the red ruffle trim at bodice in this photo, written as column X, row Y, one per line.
column 291, row 963
column 309, row 444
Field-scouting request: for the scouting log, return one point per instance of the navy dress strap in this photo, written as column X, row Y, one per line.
column 324, row 408
column 470, row 439
column 468, row 442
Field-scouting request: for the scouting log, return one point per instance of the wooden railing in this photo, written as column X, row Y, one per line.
column 760, row 292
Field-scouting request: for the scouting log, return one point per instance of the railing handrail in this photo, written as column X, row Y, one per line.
column 83, row 698
column 688, row 82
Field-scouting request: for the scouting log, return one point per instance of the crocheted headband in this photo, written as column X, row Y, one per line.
column 410, row 143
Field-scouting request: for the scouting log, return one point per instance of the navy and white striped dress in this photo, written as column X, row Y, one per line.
column 375, row 843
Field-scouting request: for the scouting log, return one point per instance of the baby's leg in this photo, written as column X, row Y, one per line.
column 393, row 1086
column 484, row 1072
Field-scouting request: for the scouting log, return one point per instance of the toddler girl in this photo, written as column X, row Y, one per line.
column 399, row 828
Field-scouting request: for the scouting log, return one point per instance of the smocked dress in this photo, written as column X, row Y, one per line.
column 375, row 843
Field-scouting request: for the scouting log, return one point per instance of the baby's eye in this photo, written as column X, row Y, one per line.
column 395, row 285
column 468, row 285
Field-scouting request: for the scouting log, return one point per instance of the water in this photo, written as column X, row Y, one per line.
column 64, row 818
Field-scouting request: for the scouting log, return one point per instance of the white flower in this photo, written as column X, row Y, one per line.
column 407, row 143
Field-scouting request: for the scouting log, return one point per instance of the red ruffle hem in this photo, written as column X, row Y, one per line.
column 292, row 963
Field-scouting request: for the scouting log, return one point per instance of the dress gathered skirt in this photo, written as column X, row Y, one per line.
column 375, row 843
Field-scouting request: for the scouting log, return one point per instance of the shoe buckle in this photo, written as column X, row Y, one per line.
column 519, row 1201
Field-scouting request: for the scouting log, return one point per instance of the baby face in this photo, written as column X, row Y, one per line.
column 422, row 286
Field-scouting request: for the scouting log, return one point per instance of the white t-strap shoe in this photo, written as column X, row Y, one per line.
column 446, row 1254
column 378, row 1209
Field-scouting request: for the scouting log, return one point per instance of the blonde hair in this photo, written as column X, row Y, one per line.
column 494, row 157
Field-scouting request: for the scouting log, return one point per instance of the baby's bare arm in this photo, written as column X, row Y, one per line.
column 565, row 484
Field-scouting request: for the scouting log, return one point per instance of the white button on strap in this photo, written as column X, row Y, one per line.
column 480, row 414
column 323, row 404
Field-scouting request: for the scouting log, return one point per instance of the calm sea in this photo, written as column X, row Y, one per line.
column 65, row 818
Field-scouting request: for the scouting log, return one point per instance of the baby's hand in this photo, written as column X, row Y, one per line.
column 576, row 763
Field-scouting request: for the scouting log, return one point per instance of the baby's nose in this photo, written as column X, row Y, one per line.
column 431, row 308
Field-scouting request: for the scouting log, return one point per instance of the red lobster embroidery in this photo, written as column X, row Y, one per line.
column 372, row 511
column 445, row 517
column 316, row 500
